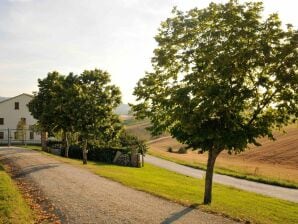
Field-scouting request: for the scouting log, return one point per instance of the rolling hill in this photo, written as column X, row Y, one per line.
column 277, row 159
column 283, row 151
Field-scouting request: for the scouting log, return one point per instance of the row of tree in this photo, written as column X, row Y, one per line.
column 82, row 104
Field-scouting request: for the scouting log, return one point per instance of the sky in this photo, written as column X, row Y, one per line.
column 40, row 36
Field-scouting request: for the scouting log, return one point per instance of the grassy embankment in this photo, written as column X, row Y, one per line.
column 13, row 208
column 237, row 204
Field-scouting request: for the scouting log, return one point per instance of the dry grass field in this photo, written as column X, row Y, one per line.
column 274, row 159
column 138, row 128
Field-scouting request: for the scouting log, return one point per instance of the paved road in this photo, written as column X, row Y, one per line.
column 265, row 189
column 82, row 197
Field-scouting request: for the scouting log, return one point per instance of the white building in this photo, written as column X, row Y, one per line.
column 16, row 121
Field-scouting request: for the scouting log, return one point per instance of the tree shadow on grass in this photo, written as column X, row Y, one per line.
column 177, row 215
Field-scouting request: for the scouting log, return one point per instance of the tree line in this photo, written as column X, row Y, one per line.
column 78, row 104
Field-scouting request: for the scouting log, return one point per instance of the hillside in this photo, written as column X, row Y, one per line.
column 283, row 151
column 278, row 159
column 122, row 109
column 139, row 129
column 2, row 98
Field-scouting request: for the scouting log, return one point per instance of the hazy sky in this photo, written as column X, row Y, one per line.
column 39, row 36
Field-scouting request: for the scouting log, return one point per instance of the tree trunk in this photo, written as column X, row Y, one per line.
column 43, row 136
column 66, row 144
column 85, row 152
column 212, row 155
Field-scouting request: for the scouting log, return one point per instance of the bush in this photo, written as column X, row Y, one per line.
column 131, row 141
column 123, row 160
column 54, row 144
column 124, row 144
column 95, row 153
column 182, row 150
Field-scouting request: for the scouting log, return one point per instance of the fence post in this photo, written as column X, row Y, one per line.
column 8, row 134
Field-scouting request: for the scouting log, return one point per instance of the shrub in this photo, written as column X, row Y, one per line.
column 170, row 149
column 132, row 142
column 96, row 153
column 125, row 144
column 54, row 144
column 123, row 160
column 182, row 150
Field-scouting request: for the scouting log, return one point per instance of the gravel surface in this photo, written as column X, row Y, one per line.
column 265, row 189
column 82, row 197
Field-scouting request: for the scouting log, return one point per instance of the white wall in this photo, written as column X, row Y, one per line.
column 12, row 116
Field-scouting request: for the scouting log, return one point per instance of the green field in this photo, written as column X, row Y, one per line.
column 231, row 202
column 13, row 208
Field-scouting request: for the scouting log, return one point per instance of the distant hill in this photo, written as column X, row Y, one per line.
column 282, row 152
column 122, row 109
column 139, row 129
column 3, row 98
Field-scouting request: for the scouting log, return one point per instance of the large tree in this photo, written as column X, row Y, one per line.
column 222, row 77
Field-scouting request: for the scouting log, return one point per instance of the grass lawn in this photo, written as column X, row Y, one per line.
column 233, row 172
column 228, row 201
column 13, row 208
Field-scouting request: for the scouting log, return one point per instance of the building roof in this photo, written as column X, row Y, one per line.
column 4, row 99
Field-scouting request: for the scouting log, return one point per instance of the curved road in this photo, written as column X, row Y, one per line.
column 82, row 197
column 264, row 189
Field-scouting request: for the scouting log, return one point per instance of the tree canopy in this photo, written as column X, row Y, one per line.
column 222, row 77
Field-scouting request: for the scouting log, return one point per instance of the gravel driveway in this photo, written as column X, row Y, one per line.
column 82, row 197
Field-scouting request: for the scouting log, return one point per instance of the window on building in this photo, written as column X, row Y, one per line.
column 16, row 105
column 1, row 121
column 31, row 135
column 1, row 135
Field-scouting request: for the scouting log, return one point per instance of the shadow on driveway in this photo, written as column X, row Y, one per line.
column 32, row 169
column 177, row 215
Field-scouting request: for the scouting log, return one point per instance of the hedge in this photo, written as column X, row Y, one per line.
column 96, row 153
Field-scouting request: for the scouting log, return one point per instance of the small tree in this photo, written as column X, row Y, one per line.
column 21, row 131
column 94, row 102
column 44, row 106
column 66, row 101
column 222, row 77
